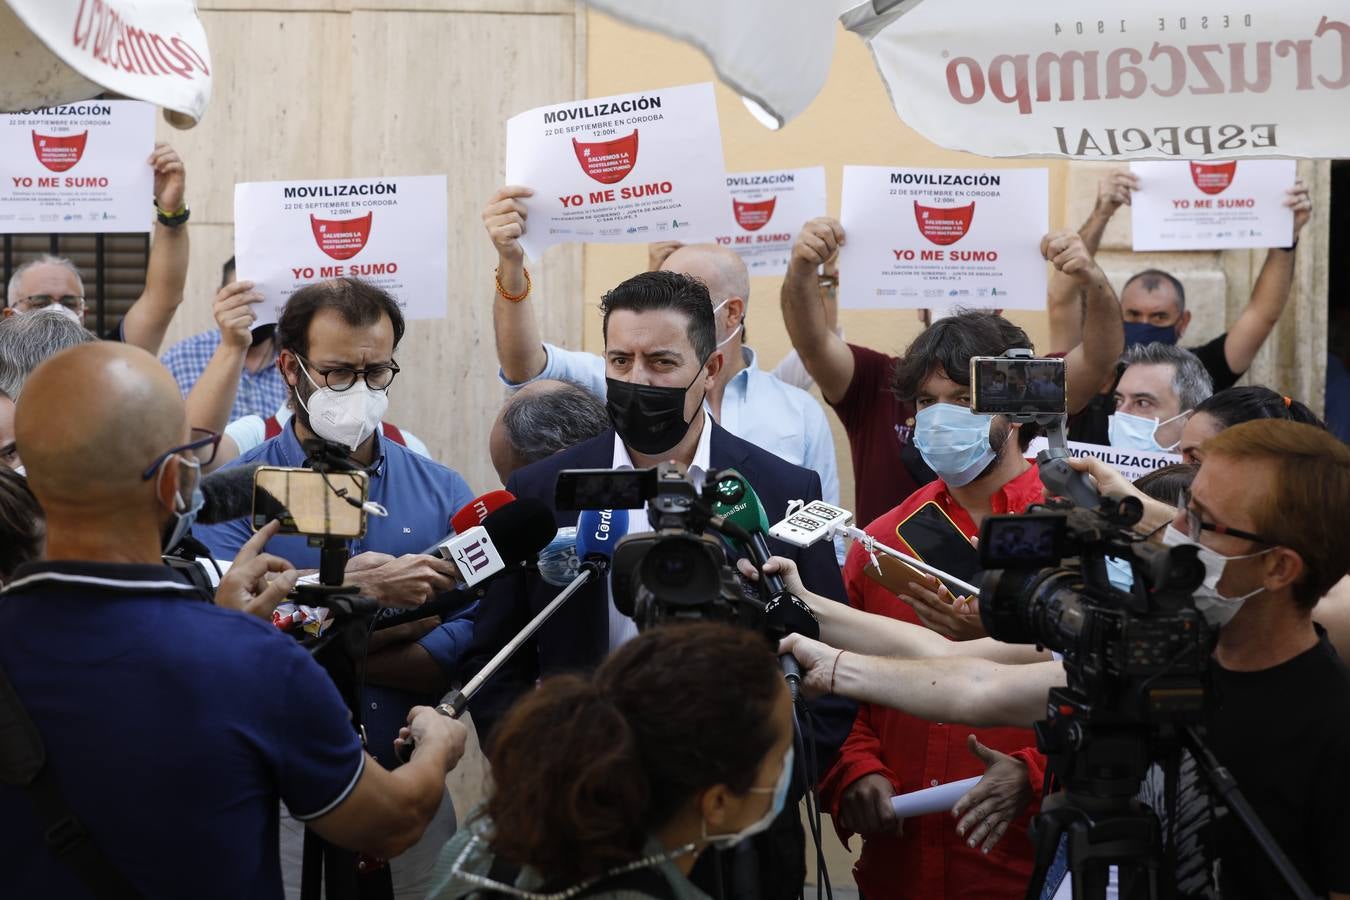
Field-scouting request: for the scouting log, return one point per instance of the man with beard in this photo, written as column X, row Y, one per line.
column 337, row 340
column 981, row 472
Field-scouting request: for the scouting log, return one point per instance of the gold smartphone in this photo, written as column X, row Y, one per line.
column 309, row 502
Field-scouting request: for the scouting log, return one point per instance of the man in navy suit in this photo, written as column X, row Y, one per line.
column 661, row 359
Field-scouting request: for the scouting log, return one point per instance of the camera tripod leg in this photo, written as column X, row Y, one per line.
column 1127, row 839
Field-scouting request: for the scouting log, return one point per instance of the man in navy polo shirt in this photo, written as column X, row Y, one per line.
column 337, row 340
column 172, row 727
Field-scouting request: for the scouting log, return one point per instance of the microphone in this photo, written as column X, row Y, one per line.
column 558, row 562
column 597, row 533
column 738, row 504
column 227, row 494
column 507, row 538
column 786, row 614
column 470, row 514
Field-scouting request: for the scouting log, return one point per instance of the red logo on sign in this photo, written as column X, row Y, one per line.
column 341, row 238
column 941, row 225
column 59, row 153
column 608, row 161
column 753, row 216
column 1213, row 178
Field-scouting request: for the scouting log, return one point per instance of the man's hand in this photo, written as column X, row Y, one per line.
column 170, row 178
column 1300, row 201
column 1114, row 191
column 815, row 659
column 504, row 219
column 257, row 581
column 233, row 309
column 987, row 809
column 782, row 566
column 408, row 581
column 1068, row 254
column 428, row 727
column 658, row 252
column 817, row 244
column 865, row 807
column 368, row 560
column 957, row 618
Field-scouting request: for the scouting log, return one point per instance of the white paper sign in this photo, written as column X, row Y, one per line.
column 1212, row 205
column 917, row 238
column 766, row 210
column 81, row 167
column 1133, row 464
column 631, row 168
column 391, row 232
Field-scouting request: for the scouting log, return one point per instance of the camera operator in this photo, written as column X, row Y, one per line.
column 172, row 727
column 612, row 784
column 661, row 359
column 1268, row 509
column 337, row 341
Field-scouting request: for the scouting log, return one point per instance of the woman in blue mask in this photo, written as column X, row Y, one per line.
column 611, row 786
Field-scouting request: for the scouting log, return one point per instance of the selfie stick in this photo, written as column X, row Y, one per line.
column 870, row 544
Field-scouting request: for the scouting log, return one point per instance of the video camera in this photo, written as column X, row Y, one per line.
column 680, row 569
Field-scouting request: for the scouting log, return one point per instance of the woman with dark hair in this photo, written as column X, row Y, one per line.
column 1166, row 483
column 1233, row 407
column 23, row 527
column 610, row 785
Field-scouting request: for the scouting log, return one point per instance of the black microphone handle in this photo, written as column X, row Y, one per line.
column 759, row 549
column 792, row 671
column 447, row 602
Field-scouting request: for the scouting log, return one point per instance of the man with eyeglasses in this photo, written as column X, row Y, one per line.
column 172, row 727
column 1269, row 510
column 53, row 282
column 336, row 342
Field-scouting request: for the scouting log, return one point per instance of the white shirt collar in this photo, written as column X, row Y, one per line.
column 702, row 453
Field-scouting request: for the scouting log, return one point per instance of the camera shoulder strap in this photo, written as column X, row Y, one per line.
column 23, row 764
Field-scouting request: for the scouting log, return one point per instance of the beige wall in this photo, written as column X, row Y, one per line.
column 333, row 88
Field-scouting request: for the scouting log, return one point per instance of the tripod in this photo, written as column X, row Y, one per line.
column 1098, row 817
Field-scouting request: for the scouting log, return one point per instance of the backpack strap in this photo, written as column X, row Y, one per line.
column 271, row 427
column 392, row 432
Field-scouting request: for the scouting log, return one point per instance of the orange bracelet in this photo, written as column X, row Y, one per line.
column 514, row 298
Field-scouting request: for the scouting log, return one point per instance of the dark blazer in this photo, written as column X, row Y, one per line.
column 577, row 636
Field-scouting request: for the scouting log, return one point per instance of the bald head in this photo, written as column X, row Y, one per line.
column 90, row 421
column 717, row 267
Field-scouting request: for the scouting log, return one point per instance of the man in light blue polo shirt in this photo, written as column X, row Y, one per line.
column 745, row 400
column 337, row 340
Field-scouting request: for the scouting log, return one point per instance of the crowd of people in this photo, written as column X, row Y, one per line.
column 178, row 744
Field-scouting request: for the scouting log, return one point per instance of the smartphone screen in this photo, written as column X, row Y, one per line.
column 604, row 488
column 1003, row 385
column 307, row 502
column 935, row 539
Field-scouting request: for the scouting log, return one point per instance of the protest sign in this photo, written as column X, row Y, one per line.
column 1132, row 464
column 1212, row 206
column 917, row 238
column 391, row 232
column 766, row 210
column 631, row 168
column 81, row 167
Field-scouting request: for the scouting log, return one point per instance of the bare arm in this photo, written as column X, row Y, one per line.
column 520, row 347
column 1089, row 364
column 1270, row 293
column 406, row 667
column 824, row 354
column 1065, row 298
column 148, row 319
column 211, row 399
column 965, row 689
column 387, row 812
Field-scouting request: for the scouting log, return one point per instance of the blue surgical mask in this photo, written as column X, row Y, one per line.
column 954, row 442
column 780, row 791
column 1131, row 432
column 1144, row 333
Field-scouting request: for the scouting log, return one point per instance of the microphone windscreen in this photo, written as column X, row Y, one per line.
column 478, row 509
column 598, row 530
column 786, row 614
column 520, row 529
column 747, row 511
column 558, row 562
column 227, row 494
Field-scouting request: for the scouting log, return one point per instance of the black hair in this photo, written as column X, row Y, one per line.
column 360, row 304
column 1243, row 404
column 685, row 294
column 947, row 346
column 23, row 525
column 1154, row 279
column 1165, row 483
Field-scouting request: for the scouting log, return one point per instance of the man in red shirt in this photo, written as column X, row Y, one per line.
column 856, row 381
column 982, row 472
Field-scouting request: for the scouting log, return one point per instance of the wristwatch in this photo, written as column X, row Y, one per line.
column 172, row 219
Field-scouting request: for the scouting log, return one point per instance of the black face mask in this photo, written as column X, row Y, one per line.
column 649, row 419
